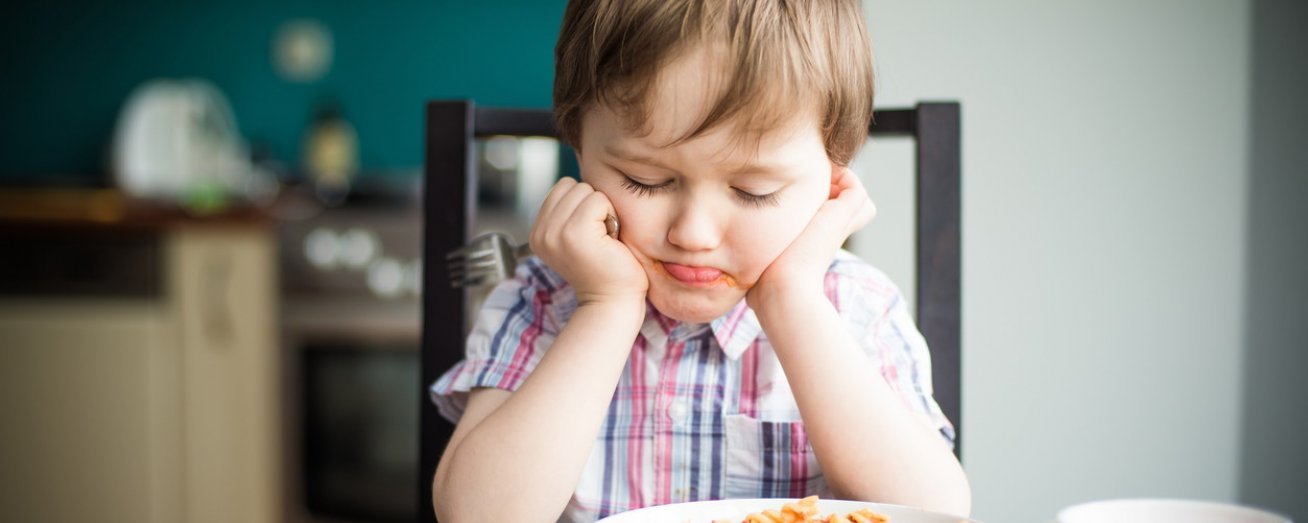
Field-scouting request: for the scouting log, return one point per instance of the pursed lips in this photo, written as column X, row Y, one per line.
column 688, row 273
column 695, row 276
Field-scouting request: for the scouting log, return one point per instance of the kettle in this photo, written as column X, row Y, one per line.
column 176, row 138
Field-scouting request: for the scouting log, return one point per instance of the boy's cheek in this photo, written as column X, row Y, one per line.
column 764, row 242
column 643, row 224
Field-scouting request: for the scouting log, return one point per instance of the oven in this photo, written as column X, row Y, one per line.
column 351, row 329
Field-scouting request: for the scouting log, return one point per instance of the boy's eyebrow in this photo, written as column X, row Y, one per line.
column 634, row 157
column 765, row 169
column 748, row 168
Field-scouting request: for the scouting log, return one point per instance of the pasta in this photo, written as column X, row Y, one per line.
column 806, row 511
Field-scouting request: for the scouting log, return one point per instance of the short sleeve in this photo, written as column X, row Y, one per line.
column 512, row 331
column 880, row 319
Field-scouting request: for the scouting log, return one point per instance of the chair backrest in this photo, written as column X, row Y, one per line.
column 451, row 203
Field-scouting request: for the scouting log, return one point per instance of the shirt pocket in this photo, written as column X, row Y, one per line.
column 770, row 459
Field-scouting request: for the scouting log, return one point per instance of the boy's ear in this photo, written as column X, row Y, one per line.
column 835, row 174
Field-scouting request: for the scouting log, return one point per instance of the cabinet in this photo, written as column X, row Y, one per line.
column 140, row 384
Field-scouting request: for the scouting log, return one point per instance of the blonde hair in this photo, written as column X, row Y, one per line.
column 781, row 58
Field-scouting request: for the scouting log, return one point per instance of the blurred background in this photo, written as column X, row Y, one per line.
column 210, row 220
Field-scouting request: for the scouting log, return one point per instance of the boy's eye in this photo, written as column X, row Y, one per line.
column 756, row 200
column 642, row 189
column 745, row 197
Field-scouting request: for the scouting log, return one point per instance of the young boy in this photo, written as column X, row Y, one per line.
column 723, row 346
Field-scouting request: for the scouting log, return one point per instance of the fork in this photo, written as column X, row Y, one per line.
column 486, row 259
column 492, row 257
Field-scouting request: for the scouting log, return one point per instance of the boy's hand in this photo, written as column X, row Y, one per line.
column 570, row 236
column 803, row 265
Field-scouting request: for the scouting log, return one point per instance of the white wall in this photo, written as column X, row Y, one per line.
column 1105, row 165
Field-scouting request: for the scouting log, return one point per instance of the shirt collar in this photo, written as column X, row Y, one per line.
column 735, row 331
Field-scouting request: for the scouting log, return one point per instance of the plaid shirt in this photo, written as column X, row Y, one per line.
column 702, row 411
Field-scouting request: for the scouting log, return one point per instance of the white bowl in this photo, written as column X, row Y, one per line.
column 737, row 509
column 1165, row 511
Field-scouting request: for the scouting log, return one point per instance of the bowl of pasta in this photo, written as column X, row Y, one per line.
column 807, row 510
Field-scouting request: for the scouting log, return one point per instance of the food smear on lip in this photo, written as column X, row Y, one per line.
column 696, row 276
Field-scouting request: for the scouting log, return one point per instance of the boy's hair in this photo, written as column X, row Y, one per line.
column 781, row 59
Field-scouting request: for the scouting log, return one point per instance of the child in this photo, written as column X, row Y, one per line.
column 723, row 346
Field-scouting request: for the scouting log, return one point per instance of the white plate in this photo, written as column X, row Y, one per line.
column 737, row 509
column 1163, row 511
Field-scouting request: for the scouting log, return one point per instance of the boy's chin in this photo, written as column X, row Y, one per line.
column 694, row 306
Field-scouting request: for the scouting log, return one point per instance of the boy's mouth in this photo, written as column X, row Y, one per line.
column 696, row 276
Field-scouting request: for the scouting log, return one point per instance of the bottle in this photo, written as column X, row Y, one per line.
column 331, row 154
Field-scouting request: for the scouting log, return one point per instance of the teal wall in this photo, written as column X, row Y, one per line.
column 69, row 65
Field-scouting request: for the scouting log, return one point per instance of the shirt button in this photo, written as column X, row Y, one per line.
column 678, row 410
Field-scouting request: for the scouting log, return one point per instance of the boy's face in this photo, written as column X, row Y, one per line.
column 704, row 217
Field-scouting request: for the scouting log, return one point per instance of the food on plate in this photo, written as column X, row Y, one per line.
column 806, row 511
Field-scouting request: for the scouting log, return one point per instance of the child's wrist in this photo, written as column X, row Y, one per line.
column 782, row 298
column 617, row 306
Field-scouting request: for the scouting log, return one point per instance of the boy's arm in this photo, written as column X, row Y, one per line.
column 870, row 445
column 518, row 456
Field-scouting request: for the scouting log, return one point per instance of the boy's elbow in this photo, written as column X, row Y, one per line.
column 440, row 494
column 499, row 510
column 954, row 499
column 446, row 507
column 960, row 504
column 946, row 497
column 437, row 489
column 961, row 500
column 950, row 497
column 453, row 505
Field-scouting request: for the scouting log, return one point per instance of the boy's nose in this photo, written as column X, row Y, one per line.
column 695, row 228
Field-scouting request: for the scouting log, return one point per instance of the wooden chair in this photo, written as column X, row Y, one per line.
column 451, row 203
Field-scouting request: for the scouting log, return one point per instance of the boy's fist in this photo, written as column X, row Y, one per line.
column 803, row 265
column 570, row 235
